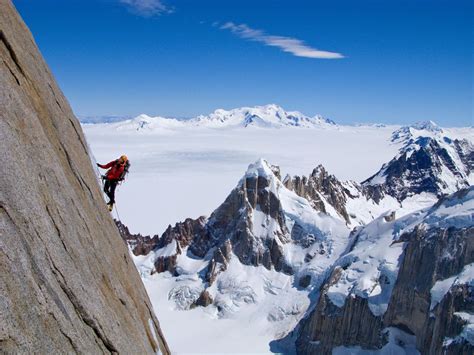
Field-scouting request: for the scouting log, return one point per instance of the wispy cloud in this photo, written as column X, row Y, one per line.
column 287, row 44
column 147, row 8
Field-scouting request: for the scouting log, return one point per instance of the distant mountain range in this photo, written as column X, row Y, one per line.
column 268, row 116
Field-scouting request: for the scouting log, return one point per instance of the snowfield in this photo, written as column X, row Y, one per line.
column 248, row 327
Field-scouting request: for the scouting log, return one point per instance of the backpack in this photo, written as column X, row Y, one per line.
column 125, row 170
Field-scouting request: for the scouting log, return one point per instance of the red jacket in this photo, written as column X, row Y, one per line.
column 116, row 170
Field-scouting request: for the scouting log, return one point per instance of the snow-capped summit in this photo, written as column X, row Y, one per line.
column 419, row 129
column 261, row 168
column 145, row 123
column 260, row 116
column 273, row 244
column 427, row 126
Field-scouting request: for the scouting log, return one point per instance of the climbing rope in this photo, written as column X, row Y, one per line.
column 116, row 211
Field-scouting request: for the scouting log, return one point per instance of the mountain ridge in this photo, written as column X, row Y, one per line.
column 267, row 116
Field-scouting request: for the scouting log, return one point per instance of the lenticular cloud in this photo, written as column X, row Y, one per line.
column 286, row 44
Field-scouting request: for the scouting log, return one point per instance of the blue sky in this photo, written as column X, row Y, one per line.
column 351, row 61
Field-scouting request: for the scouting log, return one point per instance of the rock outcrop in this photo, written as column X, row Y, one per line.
column 322, row 189
column 67, row 283
column 139, row 244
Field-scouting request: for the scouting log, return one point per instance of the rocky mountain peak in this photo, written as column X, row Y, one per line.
column 433, row 164
column 407, row 134
column 249, row 224
column 324, row 191
column 255, row 222
column 320, row 172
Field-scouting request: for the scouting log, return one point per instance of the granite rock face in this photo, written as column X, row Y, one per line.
column 67, row 283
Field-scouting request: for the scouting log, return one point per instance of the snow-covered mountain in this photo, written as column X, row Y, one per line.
column 414, row 275
column 145, row 123
column 429, row 161
column 268, row 116
column 261, row 116
column 429, row 164
column 261, row 223
column 258, row 255
column 419, row 129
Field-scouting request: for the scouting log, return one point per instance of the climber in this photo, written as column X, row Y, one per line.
column 116, row 173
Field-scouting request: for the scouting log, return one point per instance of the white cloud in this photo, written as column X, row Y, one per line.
column 147, row 8
column 287, row 44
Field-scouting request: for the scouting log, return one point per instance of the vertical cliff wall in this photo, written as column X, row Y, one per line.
column 67, row 283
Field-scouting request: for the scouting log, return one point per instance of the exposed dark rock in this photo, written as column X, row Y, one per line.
column 204, row 299
column 390, row 217
column 321, row 184
column 185, row 233
column 429, row 256
column 167, row 263
column 330, row 326
column 418, row 168
column 140, row 245
column 466, row 153
column 304, row 281
column 446, row 324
